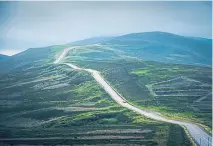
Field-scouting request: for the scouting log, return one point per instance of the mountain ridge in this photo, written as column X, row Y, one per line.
column 165, row 47
column 2, row 56
column 154, row 46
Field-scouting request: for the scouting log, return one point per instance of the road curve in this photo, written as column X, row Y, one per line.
column 198, row 134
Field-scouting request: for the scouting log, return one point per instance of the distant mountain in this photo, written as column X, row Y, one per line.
column 93, row 40
column 29, row 58
column 154, row 46
column 3, row 56
column 165, row 47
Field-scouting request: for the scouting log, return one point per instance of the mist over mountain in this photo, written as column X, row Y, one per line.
column 92, row 40
column 159, row 46
column 165, row 47
column 152, row 46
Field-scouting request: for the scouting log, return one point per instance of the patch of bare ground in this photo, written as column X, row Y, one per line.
column 9, row 102
column 78, row 145
column 57, row 86
column 209, row 95
column 28, row 122
column 78, row 108
column 118, row 131
column 49, row 85
column 18, row 84
column 181, row 86
column 52, row 119
column 22, row 122
column 2, row 144
column 110, row 137
column 112, row 145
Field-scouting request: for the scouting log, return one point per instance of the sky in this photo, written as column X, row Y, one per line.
column 26, row 25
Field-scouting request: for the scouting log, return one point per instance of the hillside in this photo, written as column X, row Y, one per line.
column 175, row 90
column 54, row 104
column 29, row 58
column 164, row 47
column 93, row 40
column 3, row 56
column 49, row 102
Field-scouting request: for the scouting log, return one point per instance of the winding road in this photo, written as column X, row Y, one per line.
column 199, row 135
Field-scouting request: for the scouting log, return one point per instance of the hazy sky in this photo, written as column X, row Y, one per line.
column 26, row 25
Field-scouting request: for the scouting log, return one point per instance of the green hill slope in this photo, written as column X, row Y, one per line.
column 54, row 104
column 164, row 47
column 175, row 90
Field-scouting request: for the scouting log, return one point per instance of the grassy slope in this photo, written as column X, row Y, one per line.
column 41, row 100
column 130, row 76
column 164, row 47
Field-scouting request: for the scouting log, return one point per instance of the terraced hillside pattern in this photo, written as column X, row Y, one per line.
column 43, row 103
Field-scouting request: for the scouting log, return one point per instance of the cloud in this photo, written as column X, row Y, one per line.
column 34, row 24
column 9, row 52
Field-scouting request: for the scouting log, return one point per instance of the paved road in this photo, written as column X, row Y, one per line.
column 199, row 135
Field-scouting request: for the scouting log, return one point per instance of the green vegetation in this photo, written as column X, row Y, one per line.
column 142, row 72
column 43, row 100
column 164, row 47
column 169, row 89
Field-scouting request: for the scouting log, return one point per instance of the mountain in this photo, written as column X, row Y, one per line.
column 29, row 58
column 43, row 102
column 164, row 47
column 3, row 56
column 93, row 40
